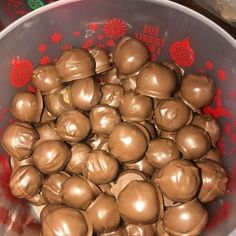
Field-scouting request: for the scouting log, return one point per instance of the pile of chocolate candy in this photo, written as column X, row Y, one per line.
column 116, row 145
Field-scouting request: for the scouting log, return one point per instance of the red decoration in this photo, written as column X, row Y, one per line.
column 44, row 60
column 232, row 178
column 221, row 145
column 42, row 47
column 32, row 89
column 66, row 47
column 227, row 129
column 209, row 65
column 76, row 33
column 100, row 37
column 88, row 43
column 233, row 138
column 182, row 53
column 115, row 28
column 110, row 43
column 221, row 75
column 21, row 72
column 93, row 26
column 56, row 38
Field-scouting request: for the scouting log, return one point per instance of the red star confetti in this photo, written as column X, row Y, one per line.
column 66, row 47
column 88, row 43
column 221, row 75
column 110, row 43
column 93, row 26
column 209, row 65
column 100, row 37
column 76, row 33
column 44, row 60
column 56, row 38
column 42, row 47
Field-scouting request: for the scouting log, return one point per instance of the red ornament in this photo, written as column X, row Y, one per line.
column 42, row 47
column 100, row 37
column 182, row 53
column 44, row 60
column 56, row 38
column 93, row 26
column 221, row 75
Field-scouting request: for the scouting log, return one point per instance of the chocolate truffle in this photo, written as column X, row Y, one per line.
column 213, row 154
column 130, row 55
column 51, row 156
column 197, row 90
column 64, row 221
column 15, row 163
column 27, row 106
column 104, row 214
column 135, row 107
column 160, row 229
column 118, row 232
column 52, row 186
column 129, row 83
column 73, row 126
column 100, row 167
column 214, row 180
column 168, row 135
column 85, row 93
column 48, row 209
column 171, row 114
column 193, row 142
column 161, row 151
column 210, row 125
column 75, row 64
column 38, row 199
column 157, row 81
column 47, row 116
column 150, row 127
column 103, row 118
column 127, row 142
column 102, row 60
column 179, row 180
column 78, row 151
column 98, row 142
column 174, row 67
column 110, row 77
column 111, row 95
column 140, row 230
column 18, row 140
column 189, row 218
column 47, row 79
column 25, row 182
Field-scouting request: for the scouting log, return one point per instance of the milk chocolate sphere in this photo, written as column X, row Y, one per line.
column 127, row 142
column 189, row 218
column 179, row 180
column 38, row 199
column 15, row 163
column 110, row 77
column 130, row 55
column 18, row 140
column 25, row 182
column 98, row 142
column 150, row 128
column 140, row 203
column 193, row 142
column 48, row 209
column 174, row 67
column 129, row 83
column 140, row 230
column 213, row 154
column 168, row 135
column 47, row 116
column 75, row 64
column 118, row 232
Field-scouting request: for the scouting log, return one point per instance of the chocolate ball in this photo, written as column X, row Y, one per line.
column 15, row 163
column 103, row 118
column 46, row 116
column 104, row 214
column 213, row 154
column 18, row 140
column 127, row 142
column 85, row 93
column 75, row 64
column 98, row 142
column 214, row 180
column 193, row 142
column 73, row 126
column 161, row 151
column 130, row 55
column 47, row 79
column 64, row 221
column 168, row 135
column 100, row 167
column 151, row 128
column 179, row 180
column 27, row 106
column 111, row 95
column 171, row 114
column 51, row 156
column 38, row 199
column 197, row 90
column 160, row 229
column 157, row 81
column 140, row 203
column 174, row 67
column 110, row 77
column 52, row 186
column 78, row 151
column 135, row 107
column 118, row 232
column 48, row 209
column 140, row 230
column 189, row 218
column 129, row 83
column 25, row 182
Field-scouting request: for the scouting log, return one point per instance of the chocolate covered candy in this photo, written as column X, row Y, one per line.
column 140, row 230
column 129, row 83
column 110, row 77
column 15, row 163
column 98, row 142
column 213, row 154
column 38, row 199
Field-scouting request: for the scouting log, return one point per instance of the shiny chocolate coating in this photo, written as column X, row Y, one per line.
column 48, row 209
column 52, row 186
column 51, row 156
column 130, row 55
column 193, row 142
column 102, row 59
column 210, row 125
column 25, row 182
column 197, row 90
column 135, row 107
column 161, row 151
column 85, row 93
column 168, row 135
column 76, row 192
column 75, row 64
column 118, row 232
column 179, row 180
column 104, row 214
column 139, row 230
column 64, row 221
column 98, row 142
column 15, row 163
column 78, row 151
column 103, row 118
column 140, row 203
column 111, row 95
column 127, row 142
column 213, row 154
column 214, row 180
column 157, row 81
column 129, row 83
column 174, row 67
column 171, row 114
column 151, row 128
column 18, row 140
column 187, row 219
column 110, row 77
column 47, row 116
column 100, row 167
column 160, row 229
column 73, row 126
column 47, row 79
column 27, row 106
column 38, row 199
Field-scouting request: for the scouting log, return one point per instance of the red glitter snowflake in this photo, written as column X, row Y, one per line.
column 209, row 65
column 56, row 38
column 42, row 47
column 66, row 47
column 221, row 75
column 21, row 72
column 115, row 28
column 93, row 26
column 76, row 33
column 110, row 43
column 45, row 60
column 88, row 43
column 100, row 37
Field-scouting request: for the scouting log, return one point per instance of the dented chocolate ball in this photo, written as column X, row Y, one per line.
column 38, row 199
column 140, row 230
column 98, row 142
column 213, row 154
column 110, row 77
column 129, row 83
